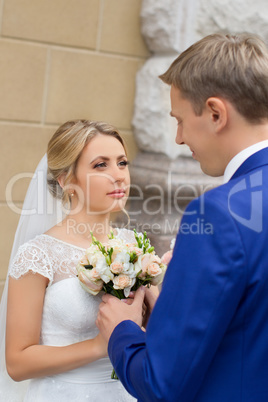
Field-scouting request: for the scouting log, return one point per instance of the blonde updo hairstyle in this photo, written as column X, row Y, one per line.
column 64, row 150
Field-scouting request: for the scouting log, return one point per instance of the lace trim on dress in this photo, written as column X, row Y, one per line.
column 53, row 258
column 31, row 257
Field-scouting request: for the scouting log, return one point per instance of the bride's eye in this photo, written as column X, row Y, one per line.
column 123, row 163
column 100, row 165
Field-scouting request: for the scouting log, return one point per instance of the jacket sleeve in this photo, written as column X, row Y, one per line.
column 203, row 285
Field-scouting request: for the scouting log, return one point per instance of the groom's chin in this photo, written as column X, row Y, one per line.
column 214, row 171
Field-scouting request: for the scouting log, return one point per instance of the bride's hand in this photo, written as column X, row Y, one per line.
column 101, row 346
column 151, row 295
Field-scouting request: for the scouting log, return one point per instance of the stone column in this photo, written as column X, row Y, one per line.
column 164, row 176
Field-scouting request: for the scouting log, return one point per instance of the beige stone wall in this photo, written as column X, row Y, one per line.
column 59, row 60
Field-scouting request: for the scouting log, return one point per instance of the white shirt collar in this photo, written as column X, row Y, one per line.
column 239, row 158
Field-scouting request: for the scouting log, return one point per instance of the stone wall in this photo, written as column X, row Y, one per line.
column 169, row 27
column 61, row 60
column 231, row 16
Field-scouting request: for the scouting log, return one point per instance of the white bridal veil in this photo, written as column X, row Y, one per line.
column 39, row 213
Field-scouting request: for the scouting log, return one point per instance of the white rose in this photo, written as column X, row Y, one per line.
column 93, row 256
column 101, row 264
column 172, row 243
column 122, row 256
column 89, row 281
column 117, row 243
column 118, row 246
column 103, row 270
column 130, row 270
column 107, row 275
column 84, row 260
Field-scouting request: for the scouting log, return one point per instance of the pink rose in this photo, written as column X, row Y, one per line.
column 157, row 279
column 154, row 269
column 93, row 274
column 167, row 257
column 117, row 267
column 122, row 281
column 146, row 260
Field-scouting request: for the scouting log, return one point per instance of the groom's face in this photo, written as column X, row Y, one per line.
column 197, row 132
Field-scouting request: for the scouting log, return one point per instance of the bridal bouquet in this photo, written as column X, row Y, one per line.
column 119, row 267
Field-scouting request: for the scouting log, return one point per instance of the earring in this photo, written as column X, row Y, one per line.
column 72, row 194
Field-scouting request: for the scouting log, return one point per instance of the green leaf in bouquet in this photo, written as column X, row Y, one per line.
column 141, row 282
column 88, row 266
column 99, row 245
column 108, row 288
column 111, row 235
column 109, row 255
column 143, row 242
column 138, row 239
column 133, row 257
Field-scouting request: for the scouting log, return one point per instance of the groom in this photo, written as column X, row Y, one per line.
column 207, row 336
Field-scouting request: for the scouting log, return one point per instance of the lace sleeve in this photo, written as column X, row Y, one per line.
column 31, row 257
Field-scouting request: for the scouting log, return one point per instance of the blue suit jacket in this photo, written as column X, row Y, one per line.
column 207, row 338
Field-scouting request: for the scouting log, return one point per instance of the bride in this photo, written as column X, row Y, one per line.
column 53, row 349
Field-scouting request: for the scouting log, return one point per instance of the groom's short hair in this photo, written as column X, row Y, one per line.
column 234, row 67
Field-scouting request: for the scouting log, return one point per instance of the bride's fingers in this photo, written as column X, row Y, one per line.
column 144, row 309
column 106, row 297
column 127, row 301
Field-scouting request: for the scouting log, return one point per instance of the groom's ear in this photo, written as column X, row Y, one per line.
column 218, row 112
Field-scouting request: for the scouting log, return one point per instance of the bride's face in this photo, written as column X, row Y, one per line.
column 102, row 176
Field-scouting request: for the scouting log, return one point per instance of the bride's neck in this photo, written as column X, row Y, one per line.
column 80, row 226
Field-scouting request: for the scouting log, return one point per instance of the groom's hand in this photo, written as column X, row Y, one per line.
column 112, row 311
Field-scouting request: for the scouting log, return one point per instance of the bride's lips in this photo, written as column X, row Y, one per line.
column 119, row 193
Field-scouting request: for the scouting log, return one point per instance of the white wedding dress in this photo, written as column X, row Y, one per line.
column 69, row 316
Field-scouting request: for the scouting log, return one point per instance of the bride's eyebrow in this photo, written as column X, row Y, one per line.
column 100, row 157
column 122, row 156
column 105, row 158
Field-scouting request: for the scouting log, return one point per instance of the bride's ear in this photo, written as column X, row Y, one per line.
column 61, row 179
column 218, row 112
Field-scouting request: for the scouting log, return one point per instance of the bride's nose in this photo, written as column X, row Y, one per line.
column 118, row 175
